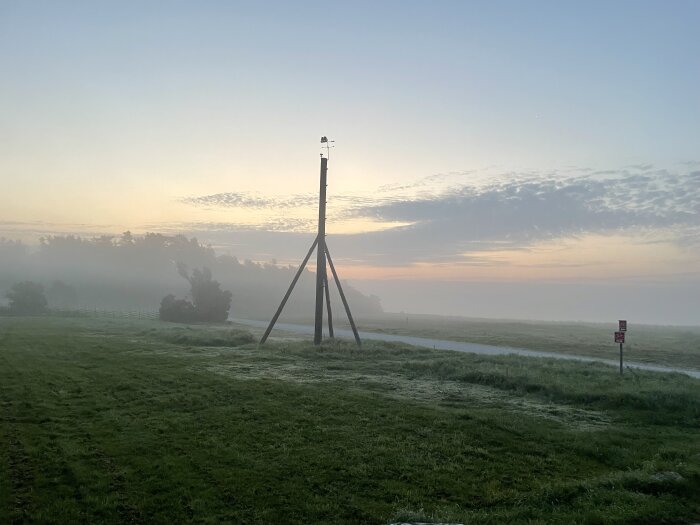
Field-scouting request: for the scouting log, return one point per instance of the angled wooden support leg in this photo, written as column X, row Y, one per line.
column 289, row 292
column 342, row 297
column 328, row 305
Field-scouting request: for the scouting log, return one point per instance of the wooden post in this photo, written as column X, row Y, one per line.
column 320, row 254
column 620, row 358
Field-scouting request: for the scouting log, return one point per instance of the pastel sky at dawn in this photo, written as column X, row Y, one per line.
column 540, row 142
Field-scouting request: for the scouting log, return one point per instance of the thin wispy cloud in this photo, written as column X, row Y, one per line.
column 256, row 202
column 249, row 201
column 276, row 225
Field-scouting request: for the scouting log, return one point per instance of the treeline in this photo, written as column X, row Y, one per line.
column 127, row 271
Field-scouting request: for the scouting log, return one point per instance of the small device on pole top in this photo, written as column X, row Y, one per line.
column 324, row 140
column 323, row 255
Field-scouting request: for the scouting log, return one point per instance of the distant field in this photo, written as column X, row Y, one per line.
column 114, row 421
column 662, row 345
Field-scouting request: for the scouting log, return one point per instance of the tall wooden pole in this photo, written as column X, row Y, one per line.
column 321, row 253
column 322, row 256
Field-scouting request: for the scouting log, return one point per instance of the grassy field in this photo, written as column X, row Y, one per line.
column 662, row 345
column 114, row 421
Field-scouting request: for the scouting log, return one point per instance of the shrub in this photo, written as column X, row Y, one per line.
column 209, row 302
column 27, row 298
column 177, row 310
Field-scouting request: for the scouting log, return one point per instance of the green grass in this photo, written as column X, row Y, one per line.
column 191, row 336
column 117, row 421
column 672, row 346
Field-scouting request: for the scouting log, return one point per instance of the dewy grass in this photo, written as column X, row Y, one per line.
column 198, row 337
column 118, row 421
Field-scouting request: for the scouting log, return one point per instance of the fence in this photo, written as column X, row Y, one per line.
column 103, row 313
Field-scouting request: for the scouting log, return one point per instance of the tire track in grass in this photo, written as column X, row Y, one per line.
column 21, row 480
column 127, row 511
column 37, row 463
column 5, row 487
column 5, row 454
column 16, row 486
column 20, row 477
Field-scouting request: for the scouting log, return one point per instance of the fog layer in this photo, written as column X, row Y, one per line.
column 133, row 273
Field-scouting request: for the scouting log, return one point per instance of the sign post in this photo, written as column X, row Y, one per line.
column 620, row 337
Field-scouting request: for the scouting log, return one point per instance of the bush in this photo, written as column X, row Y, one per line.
column 177, row 310
column 27, row 298
column 209, row 302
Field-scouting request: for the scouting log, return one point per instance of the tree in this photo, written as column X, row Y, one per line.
column 209, row 301
column 27, row 297
column 127, row 239
column 212, row 303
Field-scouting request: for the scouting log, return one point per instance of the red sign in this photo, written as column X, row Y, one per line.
column 623, row 325
column 619, row 337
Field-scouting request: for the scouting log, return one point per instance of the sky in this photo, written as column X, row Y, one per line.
column 512, row 146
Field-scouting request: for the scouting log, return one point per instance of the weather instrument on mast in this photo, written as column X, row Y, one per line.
column 323, row 256
column 324, row 140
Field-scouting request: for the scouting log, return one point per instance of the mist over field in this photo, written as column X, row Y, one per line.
column 659, row 302
column 132, row 273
